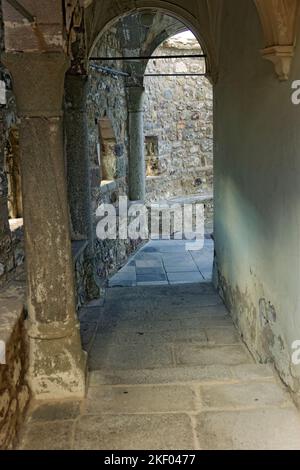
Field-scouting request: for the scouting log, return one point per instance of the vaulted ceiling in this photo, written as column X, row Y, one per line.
column 58, row 22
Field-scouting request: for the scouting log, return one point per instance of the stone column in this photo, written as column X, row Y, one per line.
column 57, row 363
column 78, row 176
column 137, row 170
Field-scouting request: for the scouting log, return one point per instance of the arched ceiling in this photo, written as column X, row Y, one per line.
column 204, row 17
column 145, row 31
column 59, row 22
column 139, row 34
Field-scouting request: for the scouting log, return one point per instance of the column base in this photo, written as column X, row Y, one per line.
column 57, row 368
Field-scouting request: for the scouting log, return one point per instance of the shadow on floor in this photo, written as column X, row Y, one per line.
column 168, row 371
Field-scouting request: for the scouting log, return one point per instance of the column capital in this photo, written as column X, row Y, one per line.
column 38, row 81
column 279, row 19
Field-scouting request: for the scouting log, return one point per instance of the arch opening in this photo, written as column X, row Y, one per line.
column 182, row 21
column 152, row 159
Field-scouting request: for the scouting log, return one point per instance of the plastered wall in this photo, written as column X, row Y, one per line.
column 257, row 192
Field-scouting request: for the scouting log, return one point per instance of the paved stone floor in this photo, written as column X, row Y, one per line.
column 168, row 370
column 167, row 262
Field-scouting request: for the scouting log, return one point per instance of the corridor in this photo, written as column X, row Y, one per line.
column 121, row 120
column 168, row 370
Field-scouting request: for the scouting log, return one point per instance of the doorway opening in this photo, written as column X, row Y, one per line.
column 177, row 132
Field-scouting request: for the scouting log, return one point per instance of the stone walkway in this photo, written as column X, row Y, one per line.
column 168, row 370
column 167, row 262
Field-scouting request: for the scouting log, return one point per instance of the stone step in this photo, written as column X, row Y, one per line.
column 214, row 374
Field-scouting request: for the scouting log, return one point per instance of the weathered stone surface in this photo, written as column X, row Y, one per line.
column 14, row 390
column 140, row 356
column 219, row 336
column 204, row 356
column 128, row 432
column 11, row 254
column 143, row 399
column 253, row 372
column 107, row 101
column 269, row 429
column 187, row 374
column 137, row 177
column 178, row 114
column 54, row 411
column 140, row 399
column 49, row 436
column 248, row 395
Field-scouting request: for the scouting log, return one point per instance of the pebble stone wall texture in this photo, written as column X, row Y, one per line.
column 11, row 250
column 178, row 124
column 107, row 101
column 14, row 390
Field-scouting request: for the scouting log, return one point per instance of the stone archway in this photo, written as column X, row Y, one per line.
column 38, row 46
column 100, row 17
column 278, row 21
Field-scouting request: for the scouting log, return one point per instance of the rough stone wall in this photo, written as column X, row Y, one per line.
column 178, row 124
column 14, row 390
column 11, row 250
column 178, row 135
column 107, row 100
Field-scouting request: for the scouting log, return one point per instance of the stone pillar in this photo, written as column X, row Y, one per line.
column 57, row 363
column 78, row 175
column 137, row 169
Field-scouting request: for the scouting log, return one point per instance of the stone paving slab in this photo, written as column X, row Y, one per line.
column 134, row 432
column 183, row 312
column 177, row 374
column 51, row 436
column 150, row 325
column 206, row 322
column 181, row 268
column 223, row 336
column 192, row 354
column 183, row 374
column 167, row 301
column 152, row 262
column 140, row 399
column 267, row 429
column 134, row 356
column 253, row 372
column 151, row 277
column 246, row 395
column 184, row 277
column 168, row 370
column 66, row 410
column 187, row 293
column 166, row 262
column 150, row 271
column 122, row 283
